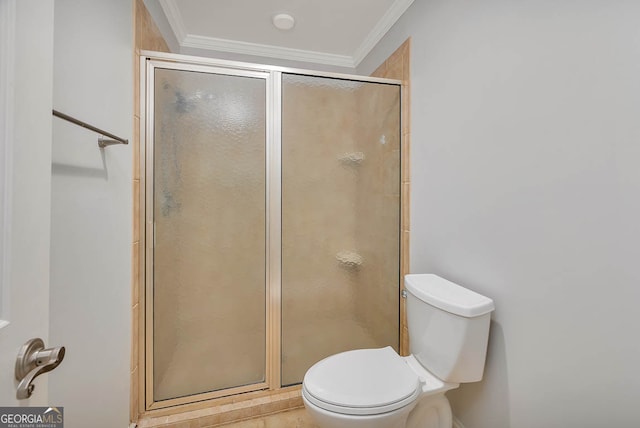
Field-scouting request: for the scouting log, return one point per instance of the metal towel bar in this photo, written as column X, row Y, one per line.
column 102, row 143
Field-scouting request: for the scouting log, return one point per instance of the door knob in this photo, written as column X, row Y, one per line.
column 32, row 361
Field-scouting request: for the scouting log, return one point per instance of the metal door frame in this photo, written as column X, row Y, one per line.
column 149, row 62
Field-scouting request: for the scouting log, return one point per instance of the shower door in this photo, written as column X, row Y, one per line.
column 206, row 202
column 340, row 218
column 272, row 235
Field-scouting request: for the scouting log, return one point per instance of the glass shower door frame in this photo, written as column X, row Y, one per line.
column 272, row 229
column 150, row 61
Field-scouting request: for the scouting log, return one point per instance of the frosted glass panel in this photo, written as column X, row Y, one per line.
column 209, row 211
column 340, row 219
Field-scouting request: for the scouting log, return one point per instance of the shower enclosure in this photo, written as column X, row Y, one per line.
column 272, row 223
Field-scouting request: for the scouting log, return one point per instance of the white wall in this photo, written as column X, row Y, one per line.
column 91, row 220
column 526, row 187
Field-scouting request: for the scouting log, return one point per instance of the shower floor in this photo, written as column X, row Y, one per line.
column 305, row 343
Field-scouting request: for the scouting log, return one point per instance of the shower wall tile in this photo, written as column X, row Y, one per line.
column 405, row 251
column 135, row 273
column 397, row 66
column 136, row 212
column 136, row 93
column 135, row 336
column 381, row 70
column 406, row 155
column 406, row 200
column 406, row 100
column 405, row 339
column 146, row 36
column 135, row 147
column 133, row 404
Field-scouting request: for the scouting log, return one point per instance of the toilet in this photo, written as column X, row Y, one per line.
column 377, row 388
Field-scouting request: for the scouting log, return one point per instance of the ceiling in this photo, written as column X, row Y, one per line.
column 334, row 32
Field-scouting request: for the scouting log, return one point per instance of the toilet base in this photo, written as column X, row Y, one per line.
column 431, row 412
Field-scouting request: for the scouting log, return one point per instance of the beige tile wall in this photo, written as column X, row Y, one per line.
column 146, row 37
column 378, row 210
column 397, row 66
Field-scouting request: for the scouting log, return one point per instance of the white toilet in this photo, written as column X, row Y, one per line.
column 377, row 388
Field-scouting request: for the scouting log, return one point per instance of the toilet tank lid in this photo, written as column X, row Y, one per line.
column 448, row 296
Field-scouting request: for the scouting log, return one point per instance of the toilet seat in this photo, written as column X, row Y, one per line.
column 361, row 382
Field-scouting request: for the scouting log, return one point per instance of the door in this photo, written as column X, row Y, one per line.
column 26, row 75
column 207, row 212
column 25, row 94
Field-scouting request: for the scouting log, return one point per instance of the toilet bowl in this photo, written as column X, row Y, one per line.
column 373, row 388
column 377, row 388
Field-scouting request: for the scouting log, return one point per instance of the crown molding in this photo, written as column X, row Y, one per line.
column 270, row 51
column 377, row 33
column 172, row 12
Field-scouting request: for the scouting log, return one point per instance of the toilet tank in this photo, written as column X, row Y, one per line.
column 448, row 327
